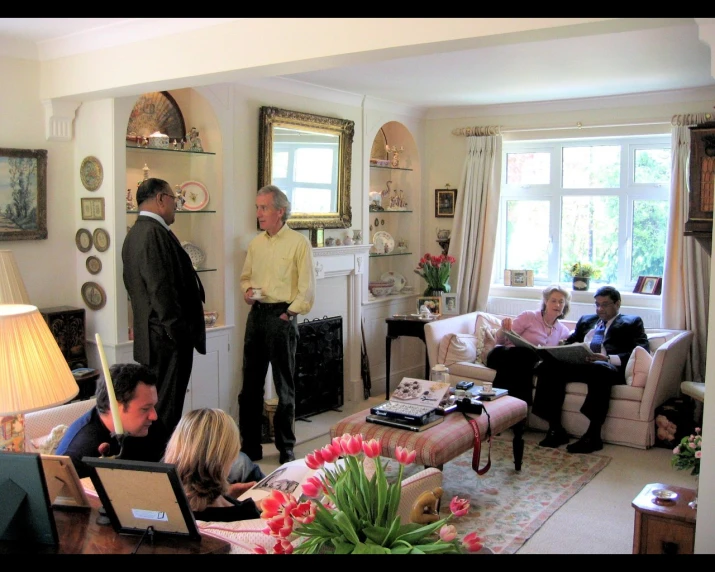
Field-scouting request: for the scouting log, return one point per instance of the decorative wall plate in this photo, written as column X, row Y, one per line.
column 93, row 264
column 398, row 280
column 383, row 241
column 195, row 253
column 93, row 295
column 83, row 240
column 91, row 173
column 195, row 195
column 156, row 111
column 101, row 239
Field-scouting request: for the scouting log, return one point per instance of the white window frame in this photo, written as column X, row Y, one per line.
column 628, row 192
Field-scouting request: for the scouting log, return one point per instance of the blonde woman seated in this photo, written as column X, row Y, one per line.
column 515, row 365
column 203, row 447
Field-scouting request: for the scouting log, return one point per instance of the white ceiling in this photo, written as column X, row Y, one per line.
column 662, row 58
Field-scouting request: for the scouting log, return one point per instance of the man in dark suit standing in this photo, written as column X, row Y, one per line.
column 612, row 337
column 166, row 297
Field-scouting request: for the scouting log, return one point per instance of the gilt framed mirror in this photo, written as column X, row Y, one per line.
column 308, row 157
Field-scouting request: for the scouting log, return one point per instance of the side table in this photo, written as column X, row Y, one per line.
column 664, row 527
column 396, row 327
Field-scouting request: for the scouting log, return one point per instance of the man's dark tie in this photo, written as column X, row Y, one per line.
column 597, row 340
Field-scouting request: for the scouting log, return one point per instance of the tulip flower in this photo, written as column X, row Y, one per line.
column 459, row 507
column 403, row 456
column 472, row 542
column 371, row 448
column 351, row 444
column 314, row 460
column 448, row 533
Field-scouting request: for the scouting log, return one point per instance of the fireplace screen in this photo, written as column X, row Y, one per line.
column 319, row 366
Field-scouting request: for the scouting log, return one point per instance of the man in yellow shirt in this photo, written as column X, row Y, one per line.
column 280, row 262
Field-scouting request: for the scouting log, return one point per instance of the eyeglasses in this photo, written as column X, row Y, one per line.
column 173, row 197
column 605, row 304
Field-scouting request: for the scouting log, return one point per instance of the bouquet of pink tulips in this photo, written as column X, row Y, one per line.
column 347, row 513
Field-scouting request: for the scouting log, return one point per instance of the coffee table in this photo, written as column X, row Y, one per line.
column 446, row 441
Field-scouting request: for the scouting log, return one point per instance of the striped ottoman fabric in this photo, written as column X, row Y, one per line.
column 449, row 439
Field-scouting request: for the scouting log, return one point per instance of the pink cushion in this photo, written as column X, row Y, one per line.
column 638, row 367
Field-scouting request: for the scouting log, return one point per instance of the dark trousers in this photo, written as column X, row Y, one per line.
column 171, row 363
column 553, row 376
column 269, row 340
column 515, row 370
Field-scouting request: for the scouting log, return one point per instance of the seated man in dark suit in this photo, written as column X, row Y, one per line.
column 612, row 347
column 92, row 435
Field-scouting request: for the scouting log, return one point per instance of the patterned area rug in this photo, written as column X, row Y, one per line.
column 507, row 507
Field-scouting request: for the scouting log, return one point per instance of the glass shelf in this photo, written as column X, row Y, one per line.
column 170, row 150
column 388, row 211
column 180, row 212
column 375, row 255
column 390, row 168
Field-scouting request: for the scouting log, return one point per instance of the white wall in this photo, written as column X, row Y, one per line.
column 47, row 266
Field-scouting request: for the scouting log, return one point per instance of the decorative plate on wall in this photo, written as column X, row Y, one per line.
column 83, row 240
column 195, row 253
column 93, row 295
column 91, row 173
column 383, row 242
column 156, row 111
column 93, row 264
column 195, row 195
column 101, row 239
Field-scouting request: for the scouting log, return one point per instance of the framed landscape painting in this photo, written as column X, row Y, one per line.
column 23, row 194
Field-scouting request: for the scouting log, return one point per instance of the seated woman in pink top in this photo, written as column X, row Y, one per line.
column 515, row 365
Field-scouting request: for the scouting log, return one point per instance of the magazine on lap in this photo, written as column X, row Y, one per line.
column 572, row 353
column 288, row 478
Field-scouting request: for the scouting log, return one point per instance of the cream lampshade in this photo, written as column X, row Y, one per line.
column 12, row 288
column 33, row 372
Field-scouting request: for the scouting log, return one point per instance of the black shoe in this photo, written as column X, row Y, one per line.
column 586, row 444
column 555, row 438
column 286, row 456
column 253, row 454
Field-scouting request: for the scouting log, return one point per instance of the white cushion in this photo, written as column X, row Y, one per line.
column 458, row 347
column 638, row 367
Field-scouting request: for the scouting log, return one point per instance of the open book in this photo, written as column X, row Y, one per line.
column 288, row 478
column 572, row 353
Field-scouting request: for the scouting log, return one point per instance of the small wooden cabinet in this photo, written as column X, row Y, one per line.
column 701, row 183
column 664, row 527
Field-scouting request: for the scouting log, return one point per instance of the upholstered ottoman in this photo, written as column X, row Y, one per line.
column 442, row 443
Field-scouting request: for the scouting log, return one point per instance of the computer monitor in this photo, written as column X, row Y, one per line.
column 25, row 510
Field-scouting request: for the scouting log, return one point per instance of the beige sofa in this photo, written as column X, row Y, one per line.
column 631, row 414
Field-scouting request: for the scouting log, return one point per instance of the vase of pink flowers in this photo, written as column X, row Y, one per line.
column 342, row 511
column 686, row 457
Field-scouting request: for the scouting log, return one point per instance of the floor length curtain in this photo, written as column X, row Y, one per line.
column 686, row 277
column 474, row 231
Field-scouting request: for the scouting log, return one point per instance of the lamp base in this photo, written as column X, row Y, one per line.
column 12, row 433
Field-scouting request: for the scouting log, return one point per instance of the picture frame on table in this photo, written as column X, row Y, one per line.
column 92, row 209
column 649, row 285
column 433, row 303
column 444, row 202
column 450, row 304
column 23, row 181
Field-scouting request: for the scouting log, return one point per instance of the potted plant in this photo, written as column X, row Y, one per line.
column 581, row 274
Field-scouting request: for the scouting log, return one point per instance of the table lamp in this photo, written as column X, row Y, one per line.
column 12, row 288
column 34, row 374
